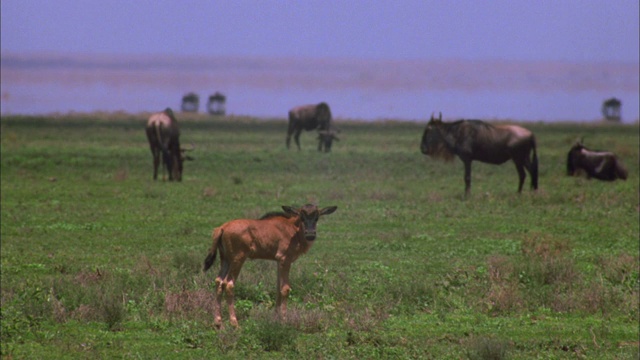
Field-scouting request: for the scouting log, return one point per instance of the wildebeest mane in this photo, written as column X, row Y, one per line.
column 442, row 152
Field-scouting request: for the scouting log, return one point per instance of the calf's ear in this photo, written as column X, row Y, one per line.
column 290, row 210
column 328, row 210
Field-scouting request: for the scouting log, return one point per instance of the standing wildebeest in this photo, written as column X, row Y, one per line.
column 164, row 138
column 282, row 237
column 477, row 140
column 602, row 165
column 310, row 117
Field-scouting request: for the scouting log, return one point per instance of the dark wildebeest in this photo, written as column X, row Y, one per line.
column 325, row 139
column 310, row 117
column 602, row 165
column 477, row 140
column 282, row 237
column 164, row 138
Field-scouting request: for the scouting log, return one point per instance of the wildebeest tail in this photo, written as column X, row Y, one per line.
column 534, row 165
column 211, row 256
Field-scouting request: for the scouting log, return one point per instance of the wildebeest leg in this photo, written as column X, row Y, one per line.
column 521, row 174
column 467, row 177
column 156, row 163
column 296, row 137
column 288, row 138
column 531, row 168
column 169, row 166
column 283, row 289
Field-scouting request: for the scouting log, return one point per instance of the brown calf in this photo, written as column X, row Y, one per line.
column 282, row 237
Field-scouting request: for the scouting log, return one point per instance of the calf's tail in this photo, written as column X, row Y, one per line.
column 534, row 165
column 211, row 256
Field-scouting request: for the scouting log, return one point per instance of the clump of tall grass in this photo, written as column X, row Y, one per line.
column 544, row 275
column 485, row 348
column 272, row 334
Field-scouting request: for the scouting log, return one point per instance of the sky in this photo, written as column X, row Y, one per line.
column 521, row 30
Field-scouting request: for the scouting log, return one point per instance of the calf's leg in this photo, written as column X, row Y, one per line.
column 217, row 317
column 234, row 271
column 283, row 289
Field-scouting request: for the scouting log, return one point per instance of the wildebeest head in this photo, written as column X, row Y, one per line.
column 433, row 143
column 575, row 151
column 309, row 215
column 180, row 161
column 325, row 138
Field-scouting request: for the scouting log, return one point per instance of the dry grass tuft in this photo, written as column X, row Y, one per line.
column 189, row 303
column 121, row 174
column 504, row 294
column 484, row 348
column 89, row 278
column 209, row 192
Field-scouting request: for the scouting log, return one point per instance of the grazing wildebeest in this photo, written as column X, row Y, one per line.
column 326, row 137
column 282, row 237
column 602, row 165
column 164, row 138
column 476, row 140
column 310, row 117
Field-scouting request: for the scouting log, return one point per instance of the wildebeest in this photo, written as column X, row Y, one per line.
column 476, row 140
column 310, row 117
column 279, row 236
column 602, row 165
column 164, row 138
column 325, row 139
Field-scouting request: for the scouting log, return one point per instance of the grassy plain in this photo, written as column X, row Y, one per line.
column 99, row 261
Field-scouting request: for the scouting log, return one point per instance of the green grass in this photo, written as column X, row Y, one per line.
column 99, row 261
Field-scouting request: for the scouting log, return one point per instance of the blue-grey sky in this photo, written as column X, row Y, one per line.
column 567, row 30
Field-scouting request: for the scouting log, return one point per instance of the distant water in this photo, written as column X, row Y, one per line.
column 365, row 90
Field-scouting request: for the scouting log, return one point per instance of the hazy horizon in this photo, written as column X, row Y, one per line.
column 549, row 61
column 364, row 89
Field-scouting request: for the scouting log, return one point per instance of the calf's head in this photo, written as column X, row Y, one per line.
column 309, row 215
